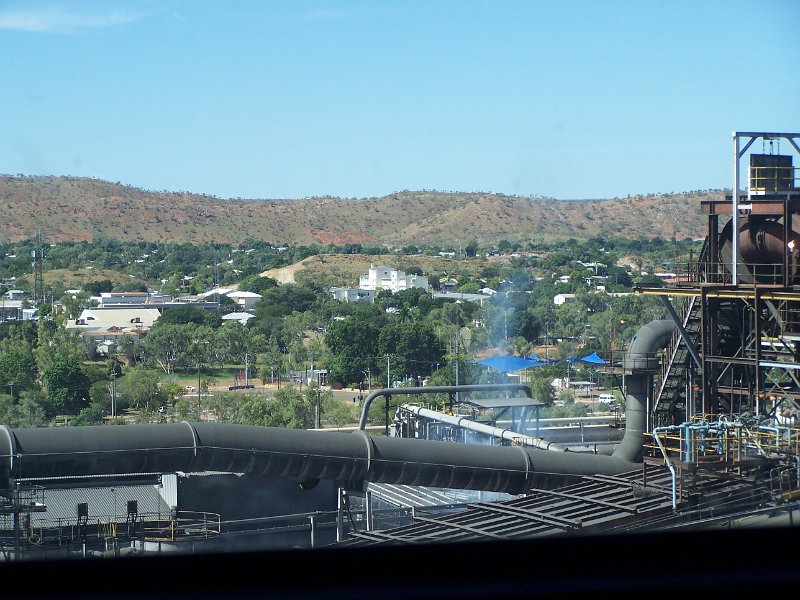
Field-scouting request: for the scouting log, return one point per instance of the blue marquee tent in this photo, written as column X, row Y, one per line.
column 508, row 363
column 593, row 359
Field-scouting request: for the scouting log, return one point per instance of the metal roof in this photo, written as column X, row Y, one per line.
column 502, row 402
column 594, row 504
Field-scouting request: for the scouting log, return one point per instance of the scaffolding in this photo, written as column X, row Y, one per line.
column 728, row 391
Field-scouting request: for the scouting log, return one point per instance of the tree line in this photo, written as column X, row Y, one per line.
column 47, row 372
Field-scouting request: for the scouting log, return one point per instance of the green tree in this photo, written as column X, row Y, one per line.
column 542, row 389
column 95, row 288
column 224, row 406
column 67, row 387
column 56, row 343
column 414, row 347
column 74, row 304
column 202, row 348
column 520, row 346
column 258, row 410
column 297, row 409
column 257, row 284
column 269, row 362
column 129, row 347
column 21, row 333
column 181, row 315
column 288, row 407
column 239, row 344
column 89, row 415
column 27, row 411
column 352, row 345
column 168, row 344
column 139, row 389
column 100, row 394
column 285, row 299
column 338, row 413
column 17, row 371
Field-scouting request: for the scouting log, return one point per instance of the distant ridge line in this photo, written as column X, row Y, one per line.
column 83, row 209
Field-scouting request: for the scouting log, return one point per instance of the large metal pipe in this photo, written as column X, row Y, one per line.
column 642, row 361
column 351, row 459
column 508, row 435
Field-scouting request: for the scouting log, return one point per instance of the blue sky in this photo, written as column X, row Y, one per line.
column 289, row 99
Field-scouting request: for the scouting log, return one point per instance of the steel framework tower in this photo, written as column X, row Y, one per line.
column 38, row 279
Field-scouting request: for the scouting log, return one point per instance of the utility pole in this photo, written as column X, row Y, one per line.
column 317, row 415
column 199, row 406
column 546, row 342
column 388, row 376
column 113, row 390
column 38, row 279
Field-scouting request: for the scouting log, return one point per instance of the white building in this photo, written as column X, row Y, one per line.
column 246, row 300
column 461, row 297
column 240, row 317
column 345, row 294
column 121, row 298
column 560, row 299
column 16, row 295
column 218, row 291
column 105, row 326
column 384, row 278
column 99, row 319
column 11, row 310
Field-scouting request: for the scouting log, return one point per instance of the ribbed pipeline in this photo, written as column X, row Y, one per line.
column 303, row 455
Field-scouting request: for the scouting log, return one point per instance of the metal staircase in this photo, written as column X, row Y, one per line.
column 672, row 385
column 671, row 391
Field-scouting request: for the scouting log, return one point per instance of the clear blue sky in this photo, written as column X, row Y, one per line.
column 296, row 98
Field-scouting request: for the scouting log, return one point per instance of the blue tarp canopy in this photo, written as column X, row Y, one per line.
column 593, row 359
column 508, row 363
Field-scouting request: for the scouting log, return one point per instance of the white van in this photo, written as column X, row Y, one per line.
column 607, row 398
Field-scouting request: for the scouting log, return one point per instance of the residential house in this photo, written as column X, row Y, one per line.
column 448, row 284
column 240, row 317
column 345, row 294
column 218, row 291
column 246, row 300
column 462, row 297
column 11, row 310
column 16, row 295
column 384, row 278
column 560, row 299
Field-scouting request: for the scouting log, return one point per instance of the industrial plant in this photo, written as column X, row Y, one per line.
column 708, row 440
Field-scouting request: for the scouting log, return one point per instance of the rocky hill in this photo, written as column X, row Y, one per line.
column 74, row 209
